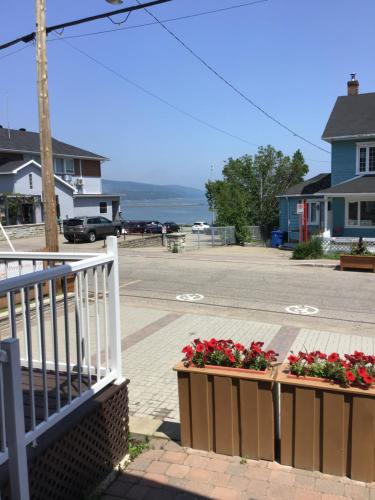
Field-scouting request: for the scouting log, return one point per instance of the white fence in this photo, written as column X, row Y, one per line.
column 344, row 245
column 64, row 321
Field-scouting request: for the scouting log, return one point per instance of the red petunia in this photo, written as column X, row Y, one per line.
column 239, row 347
column 231, row 358
column 332, row 358
column 293, row 359
column 362, row 372
column 199, row 347
column 212, row 343
column 367, row 379
column 350, row 377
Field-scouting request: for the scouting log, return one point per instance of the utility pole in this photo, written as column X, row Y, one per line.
column 49, row 197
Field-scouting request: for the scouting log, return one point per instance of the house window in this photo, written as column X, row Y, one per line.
column 103, row 207
column 366, row 158
column 313, row 212
column 63, row 166
column 361, row 213
column 31, row 181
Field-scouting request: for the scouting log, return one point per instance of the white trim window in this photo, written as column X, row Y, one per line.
column 360, row 213
column 366, row 158
column 313, row 213
column 63, row 166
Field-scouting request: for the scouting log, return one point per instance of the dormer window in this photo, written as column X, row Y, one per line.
column 366, row 158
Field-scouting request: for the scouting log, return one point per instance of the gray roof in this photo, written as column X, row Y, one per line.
column 311, row 186
column 28, row 142
column 363, row 184
column 352, row 115
column 10, row 166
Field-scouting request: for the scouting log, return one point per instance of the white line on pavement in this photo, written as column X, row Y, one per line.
column 129, row 283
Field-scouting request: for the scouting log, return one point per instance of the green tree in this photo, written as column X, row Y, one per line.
column 247, row 195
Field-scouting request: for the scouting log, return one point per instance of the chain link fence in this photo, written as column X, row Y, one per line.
column 211, row 237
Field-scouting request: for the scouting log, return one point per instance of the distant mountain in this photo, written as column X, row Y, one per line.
column 142, row 191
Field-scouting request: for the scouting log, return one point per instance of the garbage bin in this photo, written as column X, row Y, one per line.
column 277, row 238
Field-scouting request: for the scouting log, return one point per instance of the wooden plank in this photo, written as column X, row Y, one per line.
column 200, row 413
column 236, row 416
column 333, row 433
column 287, row 425
column 185, row 408
column 223, row 416
column 211, row 423
column 304, row 445
column 249, row 412
column 363, row 439
column 266, row 427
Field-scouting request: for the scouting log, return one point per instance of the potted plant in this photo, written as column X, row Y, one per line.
column 226, row 398
column 359, row 257
column 328, row 413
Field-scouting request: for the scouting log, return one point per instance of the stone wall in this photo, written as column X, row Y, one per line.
column 146, row 241
column 22, row 231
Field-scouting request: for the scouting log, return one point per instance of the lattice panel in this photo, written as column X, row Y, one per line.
column 75, row 464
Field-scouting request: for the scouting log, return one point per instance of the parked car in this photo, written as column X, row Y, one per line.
column 154, row 228
column 135, row 226
column 90, row 228
column 199, row 226
column 172, row 227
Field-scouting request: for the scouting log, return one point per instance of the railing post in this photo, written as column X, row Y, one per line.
column 114, row 323
column 14, row 421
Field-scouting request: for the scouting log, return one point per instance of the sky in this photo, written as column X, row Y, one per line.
column 291, row 57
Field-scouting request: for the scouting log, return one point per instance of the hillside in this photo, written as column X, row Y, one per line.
column 142, row 191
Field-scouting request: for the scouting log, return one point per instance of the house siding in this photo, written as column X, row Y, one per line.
column 339, row 229
column 344, row 160
column 290, row 204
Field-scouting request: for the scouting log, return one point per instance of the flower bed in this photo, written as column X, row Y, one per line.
column 328, row 413
column 355, row 369
column 226, row 398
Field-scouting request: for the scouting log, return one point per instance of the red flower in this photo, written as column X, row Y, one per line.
column 199, row 347
column 227, row 352
column 239, row 347
column 231, row 358
column 350, row 377
column 212, row 343
column 367, row 379
column 310, row 359
column 293, row 359
column 256, row 347
column 332, row 358
column 362, row 372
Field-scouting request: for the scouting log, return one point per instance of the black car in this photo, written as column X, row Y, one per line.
column 134, row 226
column 172, row 227
column 154, row 228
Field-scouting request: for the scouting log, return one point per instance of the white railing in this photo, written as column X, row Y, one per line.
column 344, row 244
column 64, row 311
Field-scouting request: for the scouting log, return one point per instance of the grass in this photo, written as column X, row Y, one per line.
column 136, row 447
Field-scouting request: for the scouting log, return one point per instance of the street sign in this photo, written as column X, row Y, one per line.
column 299, row 208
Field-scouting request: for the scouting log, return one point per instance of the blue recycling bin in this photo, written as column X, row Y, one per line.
column 277, row 238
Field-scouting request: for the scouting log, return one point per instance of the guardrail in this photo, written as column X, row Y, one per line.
column 65, row 315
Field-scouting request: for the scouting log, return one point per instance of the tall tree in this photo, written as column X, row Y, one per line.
column 247, row 195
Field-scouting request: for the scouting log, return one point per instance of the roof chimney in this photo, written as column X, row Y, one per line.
column 353, row 85
column 22, row 130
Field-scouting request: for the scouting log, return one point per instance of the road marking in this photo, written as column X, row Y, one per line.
column 189, row 297
column 129, row 283
column 302, row 309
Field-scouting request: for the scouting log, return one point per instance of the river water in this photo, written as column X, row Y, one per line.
column 181, row 211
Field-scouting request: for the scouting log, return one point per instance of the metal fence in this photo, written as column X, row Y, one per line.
column 211, row 237
column 64, row 323
column 344, row 245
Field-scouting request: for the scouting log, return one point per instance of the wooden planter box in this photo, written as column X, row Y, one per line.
column 228, row 411
column 357, row 262
column 327, row 428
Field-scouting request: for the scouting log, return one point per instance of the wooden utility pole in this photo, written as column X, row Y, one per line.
column 49, row 196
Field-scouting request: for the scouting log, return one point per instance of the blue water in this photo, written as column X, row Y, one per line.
column 182, row 211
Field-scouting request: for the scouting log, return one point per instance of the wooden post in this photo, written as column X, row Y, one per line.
column 49, row 197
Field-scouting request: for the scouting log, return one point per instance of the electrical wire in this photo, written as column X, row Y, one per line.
column 152, row 23
column 15, row 52
column 155, row 96
column 229, row 84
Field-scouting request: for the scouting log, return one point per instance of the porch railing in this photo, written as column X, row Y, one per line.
column 64, row 311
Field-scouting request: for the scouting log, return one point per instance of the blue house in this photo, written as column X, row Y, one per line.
column 340, row 203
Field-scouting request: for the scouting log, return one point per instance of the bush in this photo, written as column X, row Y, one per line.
column 313, row 249
column 360, row 248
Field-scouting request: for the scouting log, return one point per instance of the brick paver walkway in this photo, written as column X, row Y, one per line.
column 166, row 472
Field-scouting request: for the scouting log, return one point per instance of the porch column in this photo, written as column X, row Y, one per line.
column 325, row 214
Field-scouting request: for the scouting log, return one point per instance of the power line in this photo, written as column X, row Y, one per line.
column 152, row 23
column 155, row 96
column 229, row 84
column 14, row 52
column 49, row 29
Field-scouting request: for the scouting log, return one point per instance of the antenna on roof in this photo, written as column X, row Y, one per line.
column 352, row 76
